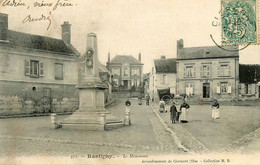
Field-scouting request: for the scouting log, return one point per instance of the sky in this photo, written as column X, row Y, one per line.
column 129, row 27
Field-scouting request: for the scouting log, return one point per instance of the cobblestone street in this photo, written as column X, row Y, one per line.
column 33, row 136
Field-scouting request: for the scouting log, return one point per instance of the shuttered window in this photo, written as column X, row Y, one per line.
column 58, row 71
column 33, row 68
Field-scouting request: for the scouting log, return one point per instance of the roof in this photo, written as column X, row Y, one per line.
column 102, row 68
column 207, row 52
column 121, row 59
column 25, row 40
column 165, row 65
column 249, row 73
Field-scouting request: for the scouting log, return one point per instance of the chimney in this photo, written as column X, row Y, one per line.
column 140, row 57
column 66, row 32
column 162, row 57
column 180, row 44
column 108, row 57
column 3, row 26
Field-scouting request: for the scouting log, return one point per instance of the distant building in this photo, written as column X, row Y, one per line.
column 207, row 72
column 162, row 78
column 249, row 82
column 146, row 83
column 126, row 70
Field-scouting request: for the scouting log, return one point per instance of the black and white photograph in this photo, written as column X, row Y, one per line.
column 130, row 82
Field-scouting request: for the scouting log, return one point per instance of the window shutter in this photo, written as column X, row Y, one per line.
column 194, row 68
column 253, row 89
column 191, row 89
column 41, row 67
column 218, row 70
column 27, row 67
column 242, row 90
column 229, row 88
column 184, row 74
column 229, row 70
column 210, row 70
column 218, row 88
column 201, row 73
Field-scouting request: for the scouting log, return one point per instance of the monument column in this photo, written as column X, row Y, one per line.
column 91, row 114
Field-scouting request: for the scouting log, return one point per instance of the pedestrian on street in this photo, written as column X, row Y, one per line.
column 140, row 99
column 147, row 99
column 215, row 110
column 161, row 106
column 184, row 112
column 128, row 104
column 173, row 111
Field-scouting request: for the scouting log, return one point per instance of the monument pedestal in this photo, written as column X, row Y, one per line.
column 91, row 114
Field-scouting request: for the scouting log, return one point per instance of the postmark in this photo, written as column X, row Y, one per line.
column 239, row 22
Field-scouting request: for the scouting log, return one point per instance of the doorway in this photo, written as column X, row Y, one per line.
column 206, row 90
column 125, row 83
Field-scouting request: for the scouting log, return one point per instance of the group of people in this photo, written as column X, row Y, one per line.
column 181, row 115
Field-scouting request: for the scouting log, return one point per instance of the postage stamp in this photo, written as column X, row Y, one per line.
column 240, row 22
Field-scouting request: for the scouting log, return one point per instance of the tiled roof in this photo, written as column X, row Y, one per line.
column 207, row 52
column 25, row 40
column 165, row 65
column 121, row 59
column 248, row 73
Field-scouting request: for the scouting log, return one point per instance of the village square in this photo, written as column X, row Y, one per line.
column 57, row 101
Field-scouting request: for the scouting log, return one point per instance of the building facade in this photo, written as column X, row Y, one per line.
column 126, row 70
column 39, row 72
column 162, row 77
column 207, row 72
column 249, row 82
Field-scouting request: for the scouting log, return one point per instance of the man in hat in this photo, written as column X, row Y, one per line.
column 173, row 111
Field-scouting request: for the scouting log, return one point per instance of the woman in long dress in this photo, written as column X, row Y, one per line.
column 215, row 110
column 184, row 112
column 161, row 106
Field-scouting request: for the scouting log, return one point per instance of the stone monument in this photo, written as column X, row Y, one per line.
column 91, row 114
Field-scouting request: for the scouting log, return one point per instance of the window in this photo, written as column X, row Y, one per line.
column 248, row 89
column 115, row 82
column 135, row 71
column 58, row 71
column 189, row 88
column 116, row 71
column 164, row 79
column 189, row 71
column 224, row 70
column 223, row 88
column 125, row 71
column 33, row 68
column 205, row 72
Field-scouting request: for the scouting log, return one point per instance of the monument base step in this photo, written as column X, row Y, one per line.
column 114, row 125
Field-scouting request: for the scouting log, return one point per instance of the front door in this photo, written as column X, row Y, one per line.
column 206, row 90
column 125, row 83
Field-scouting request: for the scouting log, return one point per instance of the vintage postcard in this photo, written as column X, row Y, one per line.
column 130, row 82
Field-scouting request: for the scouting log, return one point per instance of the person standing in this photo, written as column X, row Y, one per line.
column 147, row 99
column 173, row 111
column 184, row 112
column 140, row 99
column 161, row 106
column 215, row 110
